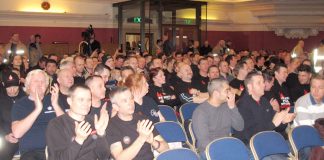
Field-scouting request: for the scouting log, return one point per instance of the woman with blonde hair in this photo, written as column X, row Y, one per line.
column 143, row 104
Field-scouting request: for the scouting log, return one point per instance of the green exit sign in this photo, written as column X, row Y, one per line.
column 188, row 21
column 137, row 20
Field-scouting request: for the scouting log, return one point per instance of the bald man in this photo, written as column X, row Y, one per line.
column 185, row 90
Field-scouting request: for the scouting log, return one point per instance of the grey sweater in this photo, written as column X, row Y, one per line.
column 212, row 122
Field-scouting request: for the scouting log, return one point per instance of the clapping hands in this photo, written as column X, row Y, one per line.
column 101, row 123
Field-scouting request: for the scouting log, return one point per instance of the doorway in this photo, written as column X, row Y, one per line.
column 184, row 33
column 133, row 41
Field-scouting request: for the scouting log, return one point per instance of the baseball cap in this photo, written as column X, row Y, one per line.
column 10, row 79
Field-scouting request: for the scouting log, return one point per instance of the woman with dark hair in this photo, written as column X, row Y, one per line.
column 160, row 91
column 18, row 67
column 144, row 105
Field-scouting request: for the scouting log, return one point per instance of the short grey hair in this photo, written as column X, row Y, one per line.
column 116, row 91
column 66, row 64
column 33, row 73
column 215, row 84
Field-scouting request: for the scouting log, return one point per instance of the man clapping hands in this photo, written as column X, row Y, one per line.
column 77, row 135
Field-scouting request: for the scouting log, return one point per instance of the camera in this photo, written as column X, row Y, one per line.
column 86, row 35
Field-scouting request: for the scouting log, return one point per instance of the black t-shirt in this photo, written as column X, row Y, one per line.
column 62, row 101
column 96, row 110
column 183, row 91
column 167, row 75
column 34, row 138
column 167, row 47
column 205, row 50
column 257, row 68
column 174, row 80
column 237, row 84
column 126, row 133
column 162, row 95
column 95, row 45
column 292, row 80
column 60, row 138
column 268, row 95
column 200, row 82
column 54, row 79
column 149, row 108
column 299, row 91
column 5, row 110
column 189, row 49
column 281, row 94
column 195, row 69
column 79, row 80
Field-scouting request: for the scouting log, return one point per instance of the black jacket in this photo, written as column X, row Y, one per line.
column 6, row 104
column 61, row 144
column 257, row 117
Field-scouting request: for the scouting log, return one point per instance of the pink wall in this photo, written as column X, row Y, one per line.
column 50, row 34
column 255, row 40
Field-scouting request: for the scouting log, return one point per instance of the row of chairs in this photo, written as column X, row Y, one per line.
column 186, row 111
column 262, row 144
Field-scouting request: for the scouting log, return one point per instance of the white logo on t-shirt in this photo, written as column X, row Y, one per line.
column 126, row 140
column 154, row 113
column 49, row 110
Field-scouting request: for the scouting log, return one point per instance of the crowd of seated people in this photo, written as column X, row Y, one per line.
column 105, row 105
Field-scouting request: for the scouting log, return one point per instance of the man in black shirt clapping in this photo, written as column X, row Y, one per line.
column 77, row 135
column 130, row 135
